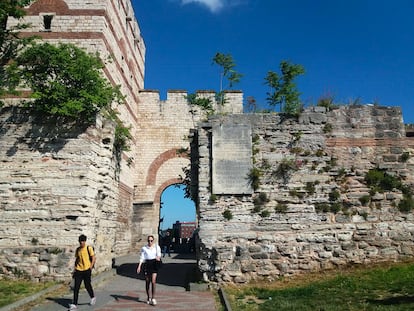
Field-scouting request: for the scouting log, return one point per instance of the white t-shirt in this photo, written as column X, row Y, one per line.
column 148, row 253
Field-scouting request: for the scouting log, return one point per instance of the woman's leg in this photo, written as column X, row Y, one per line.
column 147, row 286
column 153, row 284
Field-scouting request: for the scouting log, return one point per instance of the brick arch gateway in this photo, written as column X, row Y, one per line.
column 164, row 146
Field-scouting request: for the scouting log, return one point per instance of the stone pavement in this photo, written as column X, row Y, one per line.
column 125, row 290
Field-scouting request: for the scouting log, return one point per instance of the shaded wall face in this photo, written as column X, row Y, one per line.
column 56, row 183
column 306, row 213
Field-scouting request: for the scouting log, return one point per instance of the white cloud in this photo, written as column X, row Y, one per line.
column 213, row 5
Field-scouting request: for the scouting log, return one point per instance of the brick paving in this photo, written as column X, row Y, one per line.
column 125, row 290
column 167, row 300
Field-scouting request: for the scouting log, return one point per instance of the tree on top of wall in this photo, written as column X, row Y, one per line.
column 66, row 81
column 227, row 64
column 283, row 88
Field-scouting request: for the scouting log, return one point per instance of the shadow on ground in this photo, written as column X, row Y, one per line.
column 393, row 300
column 177, row 271
column 64, row 302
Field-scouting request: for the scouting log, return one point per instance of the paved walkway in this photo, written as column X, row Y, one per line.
column 126, row 290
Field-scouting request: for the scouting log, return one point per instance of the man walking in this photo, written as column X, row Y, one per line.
column 84, row 263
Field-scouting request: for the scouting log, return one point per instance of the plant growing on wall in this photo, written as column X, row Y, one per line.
column 205, row 104
column 285, row 169
column 11, row 44
column 327, row 128
column 227, row 214
column 226, row 64
column 364, row 199
column 254, row 178
column 406, row 204
column 310, row 187
column 281, row 208
column 264, row 213
column 261, row 199
column 327, row 102
column 186, row 180
column 283, row 88
column 405, row 156
column 380, row 181
column 67, row 83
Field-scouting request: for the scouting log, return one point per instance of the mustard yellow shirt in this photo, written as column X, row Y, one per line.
column 82, row 262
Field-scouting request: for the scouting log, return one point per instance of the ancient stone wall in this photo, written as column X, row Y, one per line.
column 306, row 213
column 56, row 182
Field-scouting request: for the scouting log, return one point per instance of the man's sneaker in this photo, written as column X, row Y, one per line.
column 154, row 302
column 73, row 307
column 93, row 301
column 148, row 301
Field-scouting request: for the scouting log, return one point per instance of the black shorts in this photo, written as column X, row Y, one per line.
column 150, row 267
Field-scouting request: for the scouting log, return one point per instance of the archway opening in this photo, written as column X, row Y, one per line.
column 178, row 220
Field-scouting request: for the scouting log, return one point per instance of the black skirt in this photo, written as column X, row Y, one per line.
column 151, row 266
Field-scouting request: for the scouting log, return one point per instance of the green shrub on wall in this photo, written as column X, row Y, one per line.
column 254, row 178
column 227, row 214
column 66, row 81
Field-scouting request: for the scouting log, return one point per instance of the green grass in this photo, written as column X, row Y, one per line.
column 385, row 287
column 14, row 290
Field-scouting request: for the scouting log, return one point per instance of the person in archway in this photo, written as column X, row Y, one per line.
column 149, row 262
column 166, row 244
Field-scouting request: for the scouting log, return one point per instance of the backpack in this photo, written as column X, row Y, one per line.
column 90, row 257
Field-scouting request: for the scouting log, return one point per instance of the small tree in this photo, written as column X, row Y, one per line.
column 284, row 91
column 66, row 81
column 227, row 64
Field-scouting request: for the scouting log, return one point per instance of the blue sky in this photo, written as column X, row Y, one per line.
column 350, row 49
column 175, row 207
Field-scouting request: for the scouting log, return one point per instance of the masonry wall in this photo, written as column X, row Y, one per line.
column 56, row 182
column 281, row 229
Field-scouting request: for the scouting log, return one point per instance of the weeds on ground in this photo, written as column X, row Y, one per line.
column 385, row 287
column 13, row 290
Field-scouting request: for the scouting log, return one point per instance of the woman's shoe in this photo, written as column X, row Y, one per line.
column 154, row 302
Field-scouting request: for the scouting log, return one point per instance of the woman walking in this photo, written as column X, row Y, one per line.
column 149, row 261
